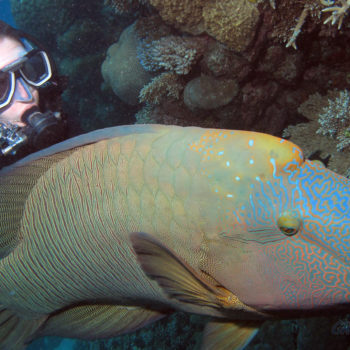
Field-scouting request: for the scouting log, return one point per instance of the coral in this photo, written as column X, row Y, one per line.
column 122, row 70
column 312, row 136
column 231, row 22
column 218, row 60
column 335, row 119
column 206, row 92
column 165, row 85
column 182, row 14
column 314, row 8
column 174, row 113
column 172, row 53
column 338, row 12
column 151, row 28
column 144, row 116
column 125, row 6
column 234, row 22
column 284, row 66
column 297, row 29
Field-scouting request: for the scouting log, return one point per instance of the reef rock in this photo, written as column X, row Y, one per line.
column 206, row 92
column 122, row 70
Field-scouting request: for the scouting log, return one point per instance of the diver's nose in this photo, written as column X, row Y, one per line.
column 23, row 91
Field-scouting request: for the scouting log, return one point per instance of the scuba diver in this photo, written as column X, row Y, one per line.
column 30, row 90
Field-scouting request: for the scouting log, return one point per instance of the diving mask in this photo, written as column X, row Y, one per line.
column 34, row 68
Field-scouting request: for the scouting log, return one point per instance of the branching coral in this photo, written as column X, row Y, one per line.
column 313, row 136
column 335, row 120
column 297, row 29
column 162, row 86
column 338, row 14
column 172, row 53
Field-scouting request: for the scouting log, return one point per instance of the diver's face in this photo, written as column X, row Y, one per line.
column 11, row 50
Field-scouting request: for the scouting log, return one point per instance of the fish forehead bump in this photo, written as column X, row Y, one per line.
column 250, row 154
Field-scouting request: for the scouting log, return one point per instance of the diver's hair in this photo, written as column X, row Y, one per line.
column 7, row 31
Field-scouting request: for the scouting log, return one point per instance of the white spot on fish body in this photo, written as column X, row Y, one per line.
column 227, row 163
column 251, row 143
column 273, row 162
column 221, row 153
column 237, row 178
column 229, row 195
column 251, row 161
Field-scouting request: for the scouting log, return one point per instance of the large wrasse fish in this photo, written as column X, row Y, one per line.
column 107, row 232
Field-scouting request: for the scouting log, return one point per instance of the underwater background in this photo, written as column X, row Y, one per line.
column 274, row 67
column 5, row 12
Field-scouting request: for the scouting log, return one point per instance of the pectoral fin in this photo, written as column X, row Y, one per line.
column 98, row 321
column 178, row 279
column 228, row 336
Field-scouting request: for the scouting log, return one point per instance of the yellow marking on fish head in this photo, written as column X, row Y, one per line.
column 235, row 161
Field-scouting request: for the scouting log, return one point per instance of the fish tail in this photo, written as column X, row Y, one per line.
column 16, row 332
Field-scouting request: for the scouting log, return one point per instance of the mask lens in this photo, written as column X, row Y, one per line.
column 36, row 69
column 6, row 88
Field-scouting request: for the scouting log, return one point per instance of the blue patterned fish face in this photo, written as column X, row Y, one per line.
column 284, row 227
column 324, row 203
column 293, row 242
column 277, row 225
column 314, row 262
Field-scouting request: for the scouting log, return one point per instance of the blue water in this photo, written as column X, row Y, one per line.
column 5, row 12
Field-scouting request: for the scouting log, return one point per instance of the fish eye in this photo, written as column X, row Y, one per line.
column 289, row 222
